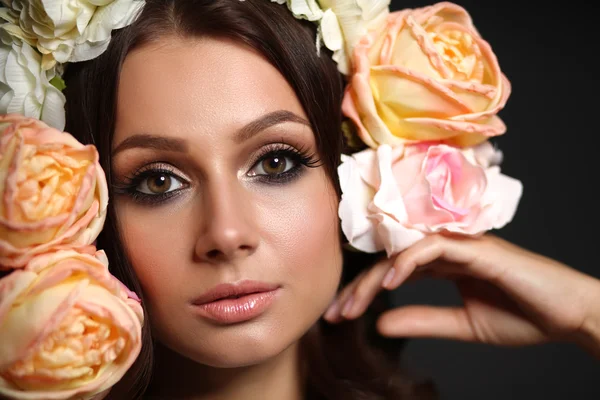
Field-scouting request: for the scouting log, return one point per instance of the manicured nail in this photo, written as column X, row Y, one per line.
column 348, row 306
column 333, row 310
column 387, row 280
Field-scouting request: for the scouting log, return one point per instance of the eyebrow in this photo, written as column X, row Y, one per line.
column 267, row 121
column 147, row 141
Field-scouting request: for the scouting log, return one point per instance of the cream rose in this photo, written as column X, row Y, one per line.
column 68, row 31
column 356, row 18
column 341, row 22
column 53, row 192
column 394, row 197
column 68, row 327
column 426, row 76
column 25, row 87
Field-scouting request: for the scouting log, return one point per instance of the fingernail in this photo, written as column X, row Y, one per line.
column 333, row 310
column 387, row 280
column 348, row 306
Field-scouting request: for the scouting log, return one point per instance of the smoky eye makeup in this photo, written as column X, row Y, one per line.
column 158, row 182
column 152, row 184
column 280, row 163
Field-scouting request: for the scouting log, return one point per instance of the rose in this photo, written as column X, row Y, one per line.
column 426, row 76
column 25, row 87
column 68, row 327
column 341, row 22
column 68, row 31
column 355, row 19
column 394, row 197
column 53, row 192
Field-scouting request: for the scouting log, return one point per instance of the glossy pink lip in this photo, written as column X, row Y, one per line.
column 232, row 303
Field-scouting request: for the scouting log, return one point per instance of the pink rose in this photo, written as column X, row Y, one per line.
column 69, row 328
column 53, row 192
column 394, row 197
column 426, row 76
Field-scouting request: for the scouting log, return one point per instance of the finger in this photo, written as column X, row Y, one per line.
column 356, row 297
column 366, row 289
column 367, row 285
column 370, row 284
column 438, row 269
column 334, row 312
column 427, row 321
column 459, row 256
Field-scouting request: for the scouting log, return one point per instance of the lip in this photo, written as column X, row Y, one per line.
column 233, row 303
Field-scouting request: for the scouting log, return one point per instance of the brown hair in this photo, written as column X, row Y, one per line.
column 341, row 365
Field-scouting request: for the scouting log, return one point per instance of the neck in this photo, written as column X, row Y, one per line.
column 179, row 378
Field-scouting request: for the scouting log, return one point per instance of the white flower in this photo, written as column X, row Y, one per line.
column 25, row 87
column 304, row 9
column 355, row 19
column 342, row 23
column 68, row 31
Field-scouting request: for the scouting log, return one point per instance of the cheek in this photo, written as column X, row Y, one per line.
column 304, row 232
column 148, row 241
column 299, row 248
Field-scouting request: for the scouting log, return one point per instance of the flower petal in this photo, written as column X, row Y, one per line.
column 413, row 49
column 500, row 200
column 331, row 32
column 356, row 196
column 388, row 209
column 406, row 93
column 53, row 108
column 28, row 323
column 305, row 9
column 458, row 133
column 395, row 236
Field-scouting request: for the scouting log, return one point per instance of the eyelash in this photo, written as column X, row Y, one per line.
column 300, row 157
column 129, row 185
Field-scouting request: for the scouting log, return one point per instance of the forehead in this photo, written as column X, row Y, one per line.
column 213, row 86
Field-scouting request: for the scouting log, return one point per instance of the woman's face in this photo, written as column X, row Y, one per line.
column 220, row 195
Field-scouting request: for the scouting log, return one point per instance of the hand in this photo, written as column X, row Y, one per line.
column 511, row 297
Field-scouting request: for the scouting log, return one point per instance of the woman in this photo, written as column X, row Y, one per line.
column 218, row 126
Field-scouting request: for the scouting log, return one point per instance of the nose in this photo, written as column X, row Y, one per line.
column 229, row 231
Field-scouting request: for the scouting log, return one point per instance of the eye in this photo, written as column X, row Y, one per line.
column 273, row 164
column 159, row 183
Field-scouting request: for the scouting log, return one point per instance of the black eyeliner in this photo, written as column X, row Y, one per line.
column 129, row 185
column 301, row 159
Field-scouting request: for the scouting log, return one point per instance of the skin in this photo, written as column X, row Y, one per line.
column 511, row 296
column 225, row 224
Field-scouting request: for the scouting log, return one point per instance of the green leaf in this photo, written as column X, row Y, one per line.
column 58, row 83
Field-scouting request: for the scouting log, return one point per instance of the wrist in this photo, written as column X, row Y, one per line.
column 589, row 334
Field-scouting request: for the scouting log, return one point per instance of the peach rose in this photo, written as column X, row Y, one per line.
column 426, row 76
column 53, row 192
column 68, row 328
column 394, row 197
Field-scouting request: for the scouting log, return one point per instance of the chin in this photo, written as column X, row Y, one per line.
column 241, row 348
column 232, row 346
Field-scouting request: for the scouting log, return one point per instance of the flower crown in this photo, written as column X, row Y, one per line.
column 422, row 97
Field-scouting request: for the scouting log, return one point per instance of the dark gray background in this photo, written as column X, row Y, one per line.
column 549, row 54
